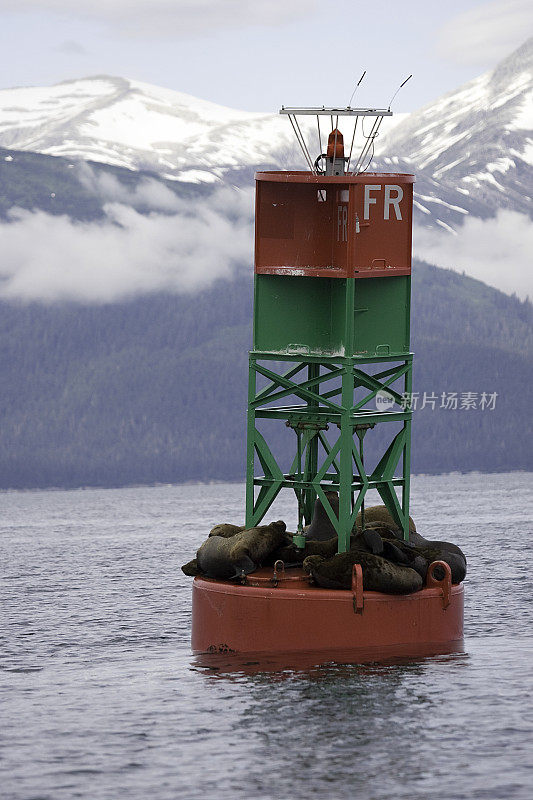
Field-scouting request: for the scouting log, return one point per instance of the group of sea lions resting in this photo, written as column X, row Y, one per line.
column 389, row 563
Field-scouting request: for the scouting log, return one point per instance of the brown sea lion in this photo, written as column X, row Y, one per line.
column 380, row 540
column 430, row 550
column 227, row 558
column 226, row 530
column 379, row 575
column 441, row 551
column 378, row 518
column 419, row 552
column 380, row 514
column 191, row 568
column 290, row 554
column 321, row 527
column 369, row 540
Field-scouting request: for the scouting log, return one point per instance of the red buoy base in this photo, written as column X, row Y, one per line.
column 283, row 613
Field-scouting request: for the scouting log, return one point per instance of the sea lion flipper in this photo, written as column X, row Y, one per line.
column 394, row 553
column 373, row 541
column 244, row 565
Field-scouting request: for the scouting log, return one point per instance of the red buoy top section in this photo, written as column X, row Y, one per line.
column 337, row 226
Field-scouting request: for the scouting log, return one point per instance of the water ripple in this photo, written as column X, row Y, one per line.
column 102, row 699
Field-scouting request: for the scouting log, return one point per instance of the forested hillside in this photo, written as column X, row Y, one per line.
column 154, row 390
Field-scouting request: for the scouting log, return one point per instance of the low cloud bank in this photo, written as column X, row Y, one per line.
column 182, row 246
column 149, row 193
column 49, row 258
column 496, row 251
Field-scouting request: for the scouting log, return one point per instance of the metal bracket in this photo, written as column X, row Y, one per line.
column 279, row 565
column 445, row 583
column 358, row 599
column 306, row 423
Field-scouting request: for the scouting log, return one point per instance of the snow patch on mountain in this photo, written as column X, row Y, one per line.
column 477, row 139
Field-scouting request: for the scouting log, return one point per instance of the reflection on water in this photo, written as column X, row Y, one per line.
column 101, row 697
column 308, row 662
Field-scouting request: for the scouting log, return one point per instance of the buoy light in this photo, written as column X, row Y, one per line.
column 335, row 144
column 335, row 160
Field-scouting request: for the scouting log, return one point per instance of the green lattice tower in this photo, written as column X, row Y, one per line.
column 326, row 317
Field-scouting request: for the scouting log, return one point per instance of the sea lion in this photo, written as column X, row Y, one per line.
column 292, row 555
column 379, row 519
column 191, row 568
column 381, row 540
column 379, row 575
column 431, row 550
column 440, row 551
column 380, row 514
column 321, row 527
column 418, row 552
column 226, row 530
column 228, row 558
column 368, row 540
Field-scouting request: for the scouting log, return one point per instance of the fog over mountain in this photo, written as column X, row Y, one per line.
column 170, row 246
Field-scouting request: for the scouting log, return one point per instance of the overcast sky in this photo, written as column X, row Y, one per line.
column 258, row 54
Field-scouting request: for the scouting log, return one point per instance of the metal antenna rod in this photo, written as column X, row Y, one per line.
column 335, row 145
column 304, row 150
column 309, row 159
column 397, row 90
column 351, row 146
column 364, row 169
column 319, row 136
column 365, row 147
column 356, row 88
column 371, row 144
column 369, row 141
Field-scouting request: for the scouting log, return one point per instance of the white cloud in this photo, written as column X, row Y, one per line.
column 184, row 246
column 496, row 251
column 487, row 33
column 49, row 258
column 149, row 193
column 171, row 18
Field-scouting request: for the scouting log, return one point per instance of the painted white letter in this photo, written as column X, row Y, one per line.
column 369, row 187
column 394, row 201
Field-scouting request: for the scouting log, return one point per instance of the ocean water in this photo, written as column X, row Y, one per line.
column 100, row 697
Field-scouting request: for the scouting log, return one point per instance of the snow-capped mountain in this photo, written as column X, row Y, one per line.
column 471, row 150
column 138, row 126
column 475, row 143
column 135, row 125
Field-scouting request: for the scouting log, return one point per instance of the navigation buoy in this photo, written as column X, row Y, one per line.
column 331, row 339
